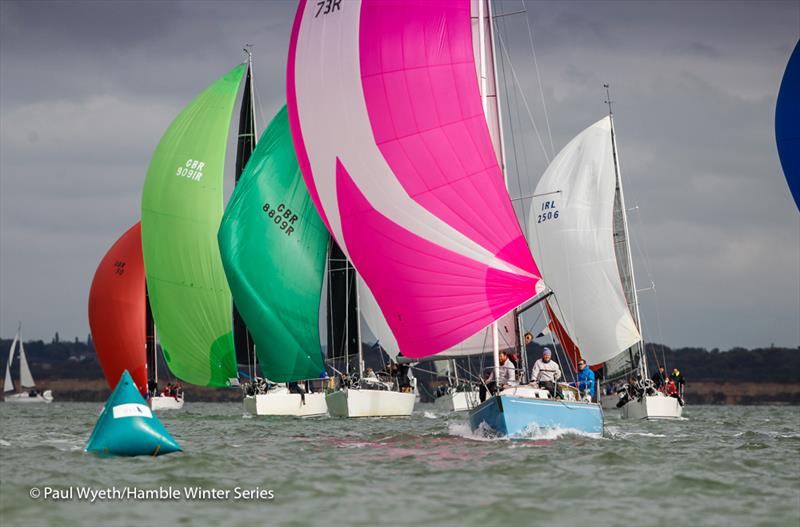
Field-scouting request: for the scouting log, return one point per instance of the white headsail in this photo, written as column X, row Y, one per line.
column 572, row 239
column 8, row 386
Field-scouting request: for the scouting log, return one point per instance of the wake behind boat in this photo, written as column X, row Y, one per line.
column 32, row 395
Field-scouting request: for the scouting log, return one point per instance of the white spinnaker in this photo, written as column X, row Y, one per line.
column 8, row 386
column 25, row 377
column 324, row 107
column 571, row 237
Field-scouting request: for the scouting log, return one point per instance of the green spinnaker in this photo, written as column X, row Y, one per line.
column 273, row 246
column 182, row 205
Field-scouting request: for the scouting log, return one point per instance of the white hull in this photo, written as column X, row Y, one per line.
column 370, row 403
column 23, row 397
column 457, row 401
column 653, row 407
column 160, row 402
column 285, row 403
column 609, row 402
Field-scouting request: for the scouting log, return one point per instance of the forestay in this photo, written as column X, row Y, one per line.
column 393, row 143
column 571, row 236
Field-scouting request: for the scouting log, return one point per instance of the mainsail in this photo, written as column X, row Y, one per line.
column 392, row 140
column 273, row 246
column 25, row 377
column 117, row 306
column 181, row 211
column 245, row 144
column 572, row 238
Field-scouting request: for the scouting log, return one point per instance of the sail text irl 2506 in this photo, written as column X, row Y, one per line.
column 181, row 211
column 579, row 235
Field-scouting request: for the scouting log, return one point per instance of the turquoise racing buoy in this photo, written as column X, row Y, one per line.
column 127, row 426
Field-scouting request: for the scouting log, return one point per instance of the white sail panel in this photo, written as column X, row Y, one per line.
column 442, row 368
column 374, row 328
column 25, row 377
column 571, row 237
column 8, row 386
column 481, row 342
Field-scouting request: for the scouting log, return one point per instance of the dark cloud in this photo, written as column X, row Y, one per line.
column 87, row 89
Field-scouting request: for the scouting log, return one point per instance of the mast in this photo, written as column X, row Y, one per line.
column 484, row 101
column 245, row 145
column 358, row 332
column 485, row 17
column 150, row 343
column 625, row 232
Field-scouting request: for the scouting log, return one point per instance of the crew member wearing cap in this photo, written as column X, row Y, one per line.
column 546, row 372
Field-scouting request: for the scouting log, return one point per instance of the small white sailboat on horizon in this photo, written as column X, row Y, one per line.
column 32, row 395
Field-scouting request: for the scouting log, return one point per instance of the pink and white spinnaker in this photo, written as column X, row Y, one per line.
column 391, row 137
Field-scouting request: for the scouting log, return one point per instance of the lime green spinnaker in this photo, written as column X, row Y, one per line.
column 273, row 246
column 181, row 211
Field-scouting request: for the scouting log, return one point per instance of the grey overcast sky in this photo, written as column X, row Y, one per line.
column 87, row 89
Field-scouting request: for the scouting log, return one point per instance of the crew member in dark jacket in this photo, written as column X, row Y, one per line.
column 659, row 377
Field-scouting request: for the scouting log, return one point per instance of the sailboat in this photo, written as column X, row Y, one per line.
column 411, row 185
column 578, row 232
column 121, row 323
column 390, row 392
column 273, row 247
column 182, row 204
column 32, row 395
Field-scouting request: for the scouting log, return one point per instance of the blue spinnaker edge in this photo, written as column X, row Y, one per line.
column 127, row 426
column 787, row 124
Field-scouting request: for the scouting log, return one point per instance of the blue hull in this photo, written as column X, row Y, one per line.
column 512, row 416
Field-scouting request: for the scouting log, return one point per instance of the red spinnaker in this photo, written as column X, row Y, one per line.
column 117, row 310
column 569, row 347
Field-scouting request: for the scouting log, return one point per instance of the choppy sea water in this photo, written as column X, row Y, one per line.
column 722, row 466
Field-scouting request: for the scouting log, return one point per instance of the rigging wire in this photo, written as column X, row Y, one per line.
column 513, row 135
column 524, row 99
column 539, row 78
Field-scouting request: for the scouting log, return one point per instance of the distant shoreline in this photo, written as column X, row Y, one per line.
column 709, row 392
column 734, row 377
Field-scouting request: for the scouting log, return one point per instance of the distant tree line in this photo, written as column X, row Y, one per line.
column 77, row 359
